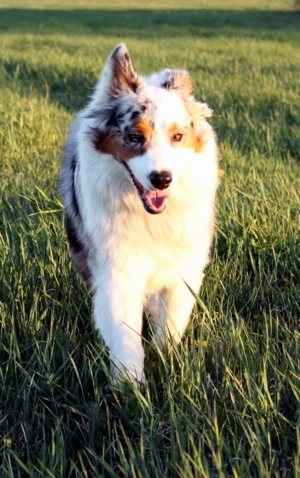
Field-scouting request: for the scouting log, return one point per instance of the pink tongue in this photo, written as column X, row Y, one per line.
column 156, row 198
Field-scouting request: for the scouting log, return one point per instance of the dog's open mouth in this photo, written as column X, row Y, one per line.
column 154, row 200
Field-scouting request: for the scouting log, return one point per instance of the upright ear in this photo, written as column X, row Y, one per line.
column 118, row 76
column 177, row 80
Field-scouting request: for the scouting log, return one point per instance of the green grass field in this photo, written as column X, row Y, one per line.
column 226, row 402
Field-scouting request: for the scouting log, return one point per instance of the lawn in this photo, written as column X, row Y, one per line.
column 226, row 402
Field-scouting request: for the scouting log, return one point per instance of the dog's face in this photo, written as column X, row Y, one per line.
column 150, row 125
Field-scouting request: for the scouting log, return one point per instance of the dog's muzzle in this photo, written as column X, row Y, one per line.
column 154, row 200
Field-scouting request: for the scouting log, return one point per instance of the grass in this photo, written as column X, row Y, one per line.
column 226, row 402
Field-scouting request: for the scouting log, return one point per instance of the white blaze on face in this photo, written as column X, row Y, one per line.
column 163, row 153
column 151, row 125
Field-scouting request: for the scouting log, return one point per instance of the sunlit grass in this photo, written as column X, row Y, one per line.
column 226, row 401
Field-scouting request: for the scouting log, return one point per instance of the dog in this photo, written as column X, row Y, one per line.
column 139, row 179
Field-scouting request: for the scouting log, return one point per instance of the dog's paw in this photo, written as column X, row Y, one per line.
column 122, row 376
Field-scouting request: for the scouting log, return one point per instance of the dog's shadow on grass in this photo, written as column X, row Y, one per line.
column 148, row 23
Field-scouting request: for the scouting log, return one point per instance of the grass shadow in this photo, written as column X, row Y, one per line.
column 64, row 87
column 158, row 24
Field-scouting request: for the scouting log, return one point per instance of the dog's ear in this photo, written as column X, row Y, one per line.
column 118, row 76
column 198, row 111
column 178, row 80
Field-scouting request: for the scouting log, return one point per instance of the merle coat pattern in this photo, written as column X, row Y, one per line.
column 139, row 179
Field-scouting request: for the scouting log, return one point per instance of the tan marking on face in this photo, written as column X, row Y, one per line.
column 195, row 141
column 173, row 131
column 142, row 126
column 109, row 143
column 114, row 143
column 189, row 137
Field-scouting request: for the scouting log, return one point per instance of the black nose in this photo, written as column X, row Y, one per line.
column 160, row 180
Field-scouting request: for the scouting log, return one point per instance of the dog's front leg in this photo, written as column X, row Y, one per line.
column 175, row 307
column 118, row 307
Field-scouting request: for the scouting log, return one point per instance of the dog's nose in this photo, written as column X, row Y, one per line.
column 160, row 180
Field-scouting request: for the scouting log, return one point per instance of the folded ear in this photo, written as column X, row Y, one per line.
column 203, row 131
column 177, row 80
column 118, row 76
column 198, row 111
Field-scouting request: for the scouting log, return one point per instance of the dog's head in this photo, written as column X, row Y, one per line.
column 149, row 125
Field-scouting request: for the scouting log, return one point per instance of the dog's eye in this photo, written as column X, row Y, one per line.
column 176, row 137
column 135, row 138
